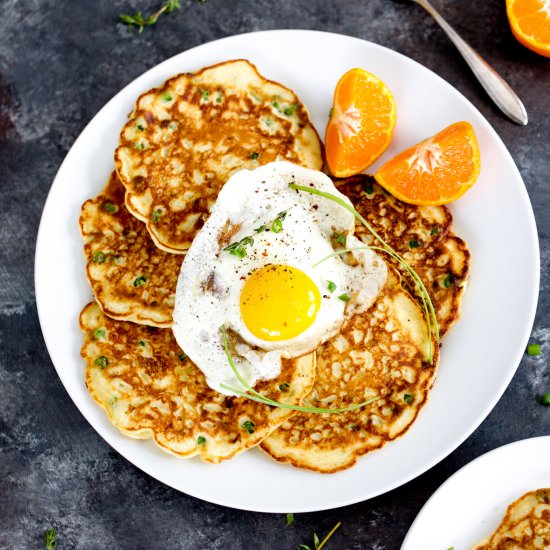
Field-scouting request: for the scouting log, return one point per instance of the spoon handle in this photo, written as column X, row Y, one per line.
column 497, row 88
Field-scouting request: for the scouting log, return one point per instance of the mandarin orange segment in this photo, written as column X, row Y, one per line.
column 530, row 23
column 361, row 123
column 438, row 170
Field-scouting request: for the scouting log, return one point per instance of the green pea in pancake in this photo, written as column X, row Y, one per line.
column 149, row 388
column 184, row 139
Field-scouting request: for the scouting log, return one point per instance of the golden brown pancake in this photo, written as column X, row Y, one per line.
column 383, row 352
column 148, row 388
column 131, row 278
column 184, row 139
column 423, row 236
column 526, row 525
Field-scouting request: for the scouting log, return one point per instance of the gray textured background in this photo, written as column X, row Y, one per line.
column 60, row 61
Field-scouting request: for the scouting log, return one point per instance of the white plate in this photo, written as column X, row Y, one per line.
column 471, row 504
column 495, row 217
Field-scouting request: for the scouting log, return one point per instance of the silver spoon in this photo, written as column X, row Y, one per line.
column 498, row 89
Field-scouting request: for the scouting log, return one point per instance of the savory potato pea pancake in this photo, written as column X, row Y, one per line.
column 131, row 278
column 149, row 388
column 526, row 525
column 383, row 353
column 184, row 139
column 423, row 236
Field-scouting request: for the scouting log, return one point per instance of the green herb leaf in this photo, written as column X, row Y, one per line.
column 254, row 156
column 99, row 257
column 316, row 541
column 138, row 281
column 448, row 281
column 369, row 188
column 331, row 112
column 157, row 213
column 408, row 398
column 414, row 243
column 344, row 297
column 101, row 361
column 249, row 426
column 99, row 334
column 291, row 109
column 182, row 357
column 331, row 286
column 434, row 231
column 545, row 399
column 289, row 519
column 140, row 146
column 167, row 96
column 50, row 539
column 205, row 94
column 110, row 207
column 533, row 349
column 319, row 545
column 140, row 22
column 140, row 127
column 142, row 343
column 340, row 238
column 284, row 387
column 201, row 440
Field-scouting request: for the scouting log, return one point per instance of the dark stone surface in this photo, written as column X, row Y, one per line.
column 60, row 61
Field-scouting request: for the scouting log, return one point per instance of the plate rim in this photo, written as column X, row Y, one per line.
column 464, row 434
column 472, row 464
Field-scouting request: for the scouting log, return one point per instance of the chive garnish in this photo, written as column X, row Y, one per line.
column 253, row 395
column 533, row 349
column 284, row 386
column 140, row 146
column 201, row 440
column 142, row 343
column 249, row 426
column 205, row 94
column 344, row 297
column 331, row 286
column 99, row 257
column 414, row 243
column 157, row 213
column 253, row 156
column 408, row 398
column 99, row 334
column 448, row 280
column 50, row 539
column 182, row 357
column 429, row 311
column 434, row 231
column 340, row 238
column 289, row 519
column 545, row 399
column 102, row 361
column 110, row 207
column 289, row 111
column 140, row 280
column 167, row 96
column 140, row 127
column 219, row 97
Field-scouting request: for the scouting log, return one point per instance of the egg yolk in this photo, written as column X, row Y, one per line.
column 279, row 302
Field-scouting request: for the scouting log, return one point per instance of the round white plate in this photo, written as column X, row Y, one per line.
column 470, row 505
column 479, row 355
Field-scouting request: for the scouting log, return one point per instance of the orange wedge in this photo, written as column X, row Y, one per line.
column 530, row 23
column 436, row 171
column 361, row 123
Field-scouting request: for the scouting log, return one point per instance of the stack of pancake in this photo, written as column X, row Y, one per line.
column 180, row 144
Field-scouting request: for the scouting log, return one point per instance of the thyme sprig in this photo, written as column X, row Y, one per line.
column 253, row 395
column 319, row 545
column 238, row 248
column 427, row 304
column 140, row 22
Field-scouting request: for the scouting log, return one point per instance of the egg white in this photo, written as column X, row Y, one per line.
column 211, row 279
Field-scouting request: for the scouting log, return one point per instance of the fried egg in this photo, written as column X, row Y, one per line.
column 264, row 267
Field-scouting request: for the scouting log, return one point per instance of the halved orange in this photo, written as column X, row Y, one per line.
column 530, row 23
column 361, row 123
column 438, row 170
